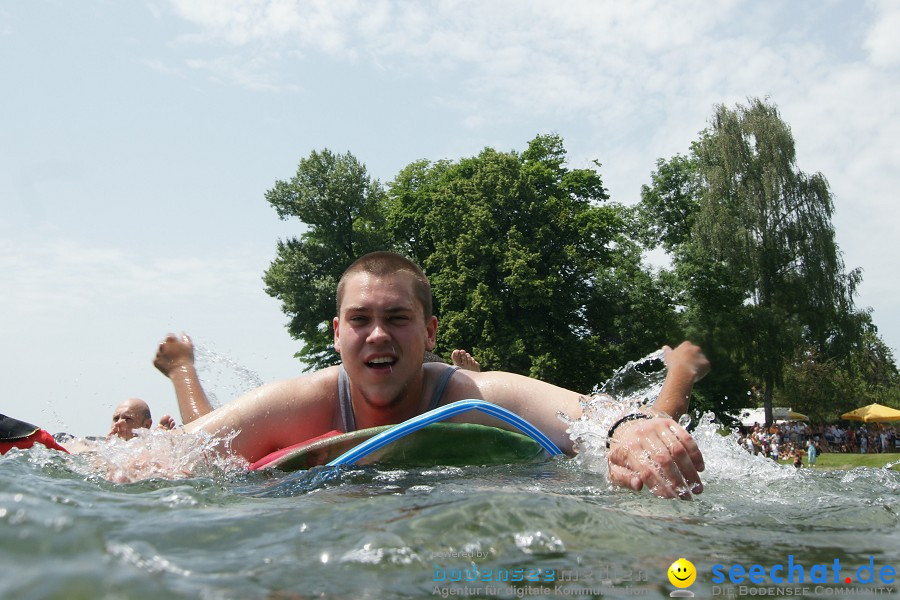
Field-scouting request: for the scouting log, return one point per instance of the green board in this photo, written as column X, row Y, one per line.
column 447, row 444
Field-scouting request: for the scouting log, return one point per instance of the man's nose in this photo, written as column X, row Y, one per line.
column 377, row 333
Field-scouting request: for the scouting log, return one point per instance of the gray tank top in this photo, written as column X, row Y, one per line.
column 348, row 419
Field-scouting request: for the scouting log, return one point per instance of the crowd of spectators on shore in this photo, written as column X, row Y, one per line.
column 794, row 440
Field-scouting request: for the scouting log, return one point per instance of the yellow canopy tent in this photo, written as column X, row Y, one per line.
column 873, row 413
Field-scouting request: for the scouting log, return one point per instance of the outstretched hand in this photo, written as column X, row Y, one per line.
column 174, row 352
column 658, row 453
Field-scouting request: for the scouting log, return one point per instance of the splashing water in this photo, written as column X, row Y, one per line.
column 159, row 454
column 231, row 379
column 632, row 388
column 640, row 379
column 366, row 532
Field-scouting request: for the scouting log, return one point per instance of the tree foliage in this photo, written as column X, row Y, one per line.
column 536, row 272
column 530, row 271
column 753, row 245
column 340, row 205
column 825, row 387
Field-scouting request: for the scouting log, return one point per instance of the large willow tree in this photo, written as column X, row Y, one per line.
column 754, row 244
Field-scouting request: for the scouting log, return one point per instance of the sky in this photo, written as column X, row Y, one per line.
column 137, row 141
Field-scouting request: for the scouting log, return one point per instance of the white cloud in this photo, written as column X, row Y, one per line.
column 315, row 24
column 883, row 43
column 51, row 276
column 252, row 72
column 510, row 42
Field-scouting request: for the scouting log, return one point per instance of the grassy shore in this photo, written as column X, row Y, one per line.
column 838, row 460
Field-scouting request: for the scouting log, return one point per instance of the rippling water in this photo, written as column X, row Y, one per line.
column 366, row 533
column 219, row 532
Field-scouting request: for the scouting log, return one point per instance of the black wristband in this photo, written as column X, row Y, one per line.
column 625, row 419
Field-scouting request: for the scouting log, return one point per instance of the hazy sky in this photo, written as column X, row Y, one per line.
column 138, row 139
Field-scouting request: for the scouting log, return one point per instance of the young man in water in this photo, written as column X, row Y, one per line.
column 382, row 329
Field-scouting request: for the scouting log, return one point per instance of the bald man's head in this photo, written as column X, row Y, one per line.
column 130, row 415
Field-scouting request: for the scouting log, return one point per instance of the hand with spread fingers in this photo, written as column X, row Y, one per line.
column 657, row 453
column 650, row 448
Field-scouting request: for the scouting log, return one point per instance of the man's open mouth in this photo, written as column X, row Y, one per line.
column 382, row 362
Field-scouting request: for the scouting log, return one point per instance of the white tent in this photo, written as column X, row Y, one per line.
column 749, row 416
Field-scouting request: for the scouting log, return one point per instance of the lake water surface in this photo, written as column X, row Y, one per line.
column 553, row 529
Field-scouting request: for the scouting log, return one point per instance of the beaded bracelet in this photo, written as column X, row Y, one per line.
column 625, row 419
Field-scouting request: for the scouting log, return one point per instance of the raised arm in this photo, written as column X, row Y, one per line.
column 175, row 360
column 685, row 365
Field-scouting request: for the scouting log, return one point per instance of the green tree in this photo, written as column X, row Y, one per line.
column 530, row 272
column 819, row 387
column 825, row 387
column 340, row 205
column 760, row 267
column 668, row 206
column 872, row 363
column 533, row 270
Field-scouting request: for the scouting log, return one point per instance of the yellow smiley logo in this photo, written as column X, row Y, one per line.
column 682, row 573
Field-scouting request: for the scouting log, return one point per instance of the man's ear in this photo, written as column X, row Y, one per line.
column 431, row 333
column 335, row 323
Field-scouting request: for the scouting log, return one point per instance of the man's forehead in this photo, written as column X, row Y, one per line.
column 128, row 406
column 364, row 285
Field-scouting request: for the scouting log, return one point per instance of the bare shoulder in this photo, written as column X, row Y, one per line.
column 310, row 395
column 493, row 386
column 516, row 392
column 460, row 386
column 311, row 388
column 277, row 414
column 536, row 401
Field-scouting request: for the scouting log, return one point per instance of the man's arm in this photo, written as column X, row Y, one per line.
column 685, row 365
column 275, row 415
column 655, row 452
column 658, row 452
column 175, row 360
column 536, row 401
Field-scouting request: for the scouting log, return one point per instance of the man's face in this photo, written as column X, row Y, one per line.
column 382, row 335
column 126, row 418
